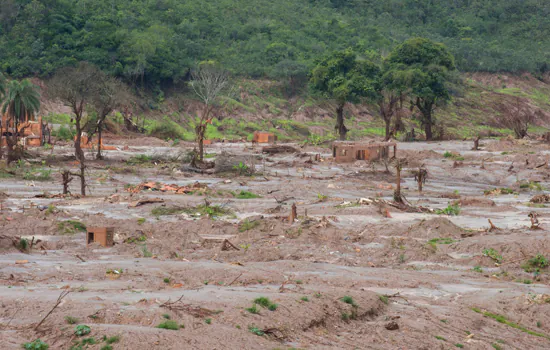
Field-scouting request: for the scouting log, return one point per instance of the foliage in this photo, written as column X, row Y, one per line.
column 169, row 324
column 256, row 331
column 64, row 133
column 71, row 320
column 452, row 209
column 502, row 319
column 266, row 303
column 247, row 195
column 348, row 300
column 242, row 168
column 22, row 98
column 253, row 309
column 247, row 225
column 36, row 345
column 82, row 329
column 70, row 227
column 493, row 254
column 535, row 264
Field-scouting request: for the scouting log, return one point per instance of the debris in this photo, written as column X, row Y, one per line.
column 156, row 186
column 145, row 201
column 541, row 198
column 493, row 227
column 80, row 258
column 226, row 245
column 59, row 300
column 279, row 149
column 534, row 221
column 392, row 326
column 293, row 214
column 21, row 262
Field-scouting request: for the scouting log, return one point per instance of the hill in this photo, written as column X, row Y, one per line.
column 156, row 42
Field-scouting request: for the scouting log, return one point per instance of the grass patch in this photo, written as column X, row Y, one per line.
column 70, row 227
column 82, row 329
column 493, row 254
column 435, row 241
column 253, row 309
column 348, row 300
column 266, row 303
column 497, row 191
column 535, row 264
column 438, row 337
column 169, row 324
column 504, row 320
column 212, row 211
column 454, row 156
column 71, row 320
column 460, row 346
column 113, row 339
column 247, row 195
column 304, row 298
column 452, row 210
column 38, row 175
column 532, row 186
column 208, row 321
column 248, row 225
column 384, row 299
column 478, row 268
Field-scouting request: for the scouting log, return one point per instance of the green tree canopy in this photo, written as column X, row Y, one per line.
column 343, row 77
column 426, row 71
column 22, row 98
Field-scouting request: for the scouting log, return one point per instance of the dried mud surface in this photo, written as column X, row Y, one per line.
column 412, row 280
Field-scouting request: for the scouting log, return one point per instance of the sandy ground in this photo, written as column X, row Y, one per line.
column 408, row 289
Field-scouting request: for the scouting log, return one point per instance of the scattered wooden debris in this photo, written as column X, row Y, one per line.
column 59, row 300
column 541, row 198
column 279, row 149
column 492, row 227
column 156, row 186
column 535, row 225
column 226, row 245
column 195, row 311
column 141, row 202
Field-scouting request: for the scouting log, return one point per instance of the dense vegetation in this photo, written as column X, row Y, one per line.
column 155, row 42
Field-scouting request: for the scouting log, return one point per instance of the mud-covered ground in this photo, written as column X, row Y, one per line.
column 352, row 271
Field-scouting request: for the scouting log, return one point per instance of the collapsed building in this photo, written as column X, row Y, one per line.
column 347, row 151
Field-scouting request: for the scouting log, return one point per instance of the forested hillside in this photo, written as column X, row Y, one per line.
column 155, row 42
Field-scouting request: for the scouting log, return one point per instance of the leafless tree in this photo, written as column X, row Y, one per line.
column 111, row 94
column 517, row 116
column 76, row 87
column 399, row 163
column 387, row 105
column 210, row 83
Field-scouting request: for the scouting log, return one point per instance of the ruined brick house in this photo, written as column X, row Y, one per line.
column 264, row 137
column 30, row 129
column 347, row 151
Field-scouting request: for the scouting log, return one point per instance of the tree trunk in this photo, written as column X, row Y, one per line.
column 79, row 154
column 342, row 130
column 99, row 128
column 388, row 134
column 201, row 130
column 397, row 193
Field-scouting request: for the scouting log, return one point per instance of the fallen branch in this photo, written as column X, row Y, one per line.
column 226, row 245
column 59, row 300
column 493, row 227
column 236, row 278
column 78, row 256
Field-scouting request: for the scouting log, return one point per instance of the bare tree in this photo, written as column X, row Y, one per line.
column 399, row 163
column 111, row 93
column 76, row 87
column 209, row 83
column 517, row 116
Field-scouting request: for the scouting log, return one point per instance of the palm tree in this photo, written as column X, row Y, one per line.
column 22, row 99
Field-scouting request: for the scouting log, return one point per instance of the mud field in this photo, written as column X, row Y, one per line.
column 219, row 263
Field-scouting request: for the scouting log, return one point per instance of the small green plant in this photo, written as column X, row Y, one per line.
column 452, row 210
column 245, row 247
column 247, row 225
column 169, row 324
column 265, row 302
column 88, row 341
column 496, row 346
column 345, row 316
column 166, row 316
column 36, row 345
column 242, row 168
column 23, row 244
column 70, row 227
column 299, row 282
column 146, row 252
column 477, row 268
column 493, row 254
column 348, row 300
column 527, row 281
column 504, row 320
column 253, row 309
column 531, row 185
column 38, row 175
column 247, row 195
column 113, row 339
column 82, row 329
column 454, row 156
column 51, row 209
column 140, row 159
column 71, row 320
column 444, row 321
column 535, row 264
column 384, row 299
column 321, row 197
column 438, row 337
column 256, row 330
column 166, row 280
column 317, row 295
column 458, row 345
column 141, row 221
column 539, row 324
column 106, row 347
column 304, row 298
column 208, row 321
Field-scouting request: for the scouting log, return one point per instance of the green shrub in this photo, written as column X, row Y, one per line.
column 493, row 254
column 452, row 210
column 36, row 345
column 169, row 324
column 64, row 133
column 82, row 329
